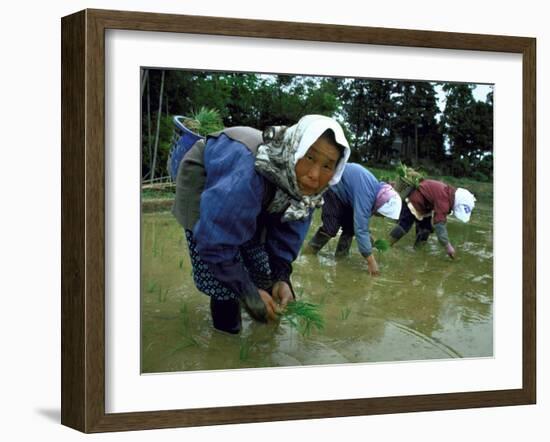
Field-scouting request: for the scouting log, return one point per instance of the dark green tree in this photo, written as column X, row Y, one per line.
column 242, row 99
column 354, row 96
column 416, row 123
column 468, row 127
column 368, row 109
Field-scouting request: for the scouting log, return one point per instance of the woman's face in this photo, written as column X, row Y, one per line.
column 316, row 168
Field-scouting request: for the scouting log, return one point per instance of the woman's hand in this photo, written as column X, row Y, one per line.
column 282, row 294
column 450, row 250
column 270, row 305
column 373, row 266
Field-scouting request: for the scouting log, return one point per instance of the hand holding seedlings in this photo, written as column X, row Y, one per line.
column 270, row 306
column 282, row 294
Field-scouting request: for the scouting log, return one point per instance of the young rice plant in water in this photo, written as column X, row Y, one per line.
column 303, row 316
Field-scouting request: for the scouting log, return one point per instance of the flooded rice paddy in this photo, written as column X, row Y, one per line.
column 422, row 306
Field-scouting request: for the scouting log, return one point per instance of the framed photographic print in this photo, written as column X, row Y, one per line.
column 452, row 309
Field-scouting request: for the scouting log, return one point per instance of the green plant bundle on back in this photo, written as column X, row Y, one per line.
column 204, row 121
column 401, row 170
column 303, row 316
column 407, row 179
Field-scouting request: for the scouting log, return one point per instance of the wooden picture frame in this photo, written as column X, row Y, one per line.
column 83, row 220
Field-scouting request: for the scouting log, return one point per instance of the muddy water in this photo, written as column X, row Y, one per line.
column 423, row 306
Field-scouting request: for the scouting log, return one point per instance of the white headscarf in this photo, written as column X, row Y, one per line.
column 388, row 202
column 276, row 160
column 392, row 208
column 308, row 130
column 464, row 204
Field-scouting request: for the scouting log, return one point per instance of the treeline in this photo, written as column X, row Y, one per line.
column 385, row 121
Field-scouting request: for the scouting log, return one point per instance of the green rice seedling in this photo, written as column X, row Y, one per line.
column 204, row 121
column 244, row 349
column 162, row 294
column 407, row 179
column 183, row 345
column 155, row 245
column 412, row 176
column 159, row 294
column 303, row 316
column 344, row 313
column 191, row 124
column 381, row 245
column 209, row 119
column 181, row 263
column 185, row 330
column 401, row 170
column 184, row 317
column 151, row 286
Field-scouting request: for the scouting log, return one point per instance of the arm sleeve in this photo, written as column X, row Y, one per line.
column 440, row 216
column 362, row 211
column 283, row 243
column 441, row 208
column 436, row 197
column 441, row 232
column 229, row 207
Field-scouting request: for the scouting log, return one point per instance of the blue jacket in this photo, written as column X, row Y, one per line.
column 358, row 189
column 231, row 214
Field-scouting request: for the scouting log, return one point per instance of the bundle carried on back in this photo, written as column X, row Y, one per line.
column 407, row 180
column 187, row 131
column 204, row 121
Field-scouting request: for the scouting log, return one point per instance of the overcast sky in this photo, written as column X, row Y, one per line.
column 480, row 94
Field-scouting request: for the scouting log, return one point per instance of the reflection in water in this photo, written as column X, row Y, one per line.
column 423, row 306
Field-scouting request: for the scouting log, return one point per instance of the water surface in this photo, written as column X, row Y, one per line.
column 423, row 306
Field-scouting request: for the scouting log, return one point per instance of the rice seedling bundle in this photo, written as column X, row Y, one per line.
column 304, row 316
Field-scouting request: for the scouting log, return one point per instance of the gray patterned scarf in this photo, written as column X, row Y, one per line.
column 276, row 160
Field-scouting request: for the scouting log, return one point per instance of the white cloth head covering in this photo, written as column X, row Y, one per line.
column 276, row 160
column 388, row 202
column 392, row 208
column 464, row 204
column 308, row 130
